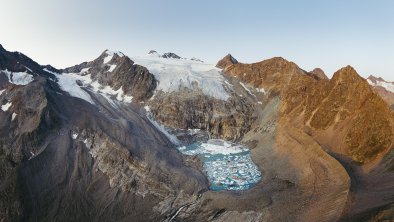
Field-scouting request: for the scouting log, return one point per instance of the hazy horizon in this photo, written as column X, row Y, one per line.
column 328, row 35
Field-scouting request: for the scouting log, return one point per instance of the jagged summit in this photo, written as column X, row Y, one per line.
column 375, row 79
column 171, row 55
column 118, row 72
column 167, row 55
column 319, row 73
column 226, row 61
column 347, row 74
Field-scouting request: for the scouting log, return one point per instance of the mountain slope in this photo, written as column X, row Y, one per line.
column 66, row 159
column 97, row 141
column 343, row 115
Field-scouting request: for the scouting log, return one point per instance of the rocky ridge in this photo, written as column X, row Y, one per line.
column 119, row 72
column 343, row 115
column 383, row 88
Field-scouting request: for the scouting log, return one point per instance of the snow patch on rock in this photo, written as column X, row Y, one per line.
column 68, row 82
column 247, row 89
column 261, row 90
column 110, row 55
column 13, row 116
column 111, row 68
column 18, row 78
column 85, row 70
column 6, row 106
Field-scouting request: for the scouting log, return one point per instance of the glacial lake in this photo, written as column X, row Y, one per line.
column 228, row 166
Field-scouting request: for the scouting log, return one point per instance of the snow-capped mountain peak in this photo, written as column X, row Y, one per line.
column 110, row 54
column 374, row 81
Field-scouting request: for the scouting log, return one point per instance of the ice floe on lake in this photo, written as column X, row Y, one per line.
column 228, row 166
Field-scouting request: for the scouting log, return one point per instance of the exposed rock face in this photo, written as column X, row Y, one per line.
column 326, row 104
column 318, row 73
column 187, row 109
column 383, row 88
column 170, row 55
column 18, row 62
column 343, row 115
column 347, row 100
column 119, row 72
column 272, row 75
column 226, row 62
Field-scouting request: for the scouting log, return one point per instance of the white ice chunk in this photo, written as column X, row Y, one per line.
column 6, row 106
column 13, row 116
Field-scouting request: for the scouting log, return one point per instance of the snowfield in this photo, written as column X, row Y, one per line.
column 18, row 78
column 173, row 74
column 387, row 85
column 68, row 82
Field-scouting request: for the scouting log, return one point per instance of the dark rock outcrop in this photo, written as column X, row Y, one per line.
column 188, row 109
column 170, row 55
column 226, row 62
column 119, row 72
column 18, row 62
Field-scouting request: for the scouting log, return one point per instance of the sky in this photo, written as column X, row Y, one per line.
column 311, row 33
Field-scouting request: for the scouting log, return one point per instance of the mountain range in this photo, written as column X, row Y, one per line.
column 165, row 138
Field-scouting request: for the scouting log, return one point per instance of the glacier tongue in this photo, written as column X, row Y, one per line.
column 174, row 74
